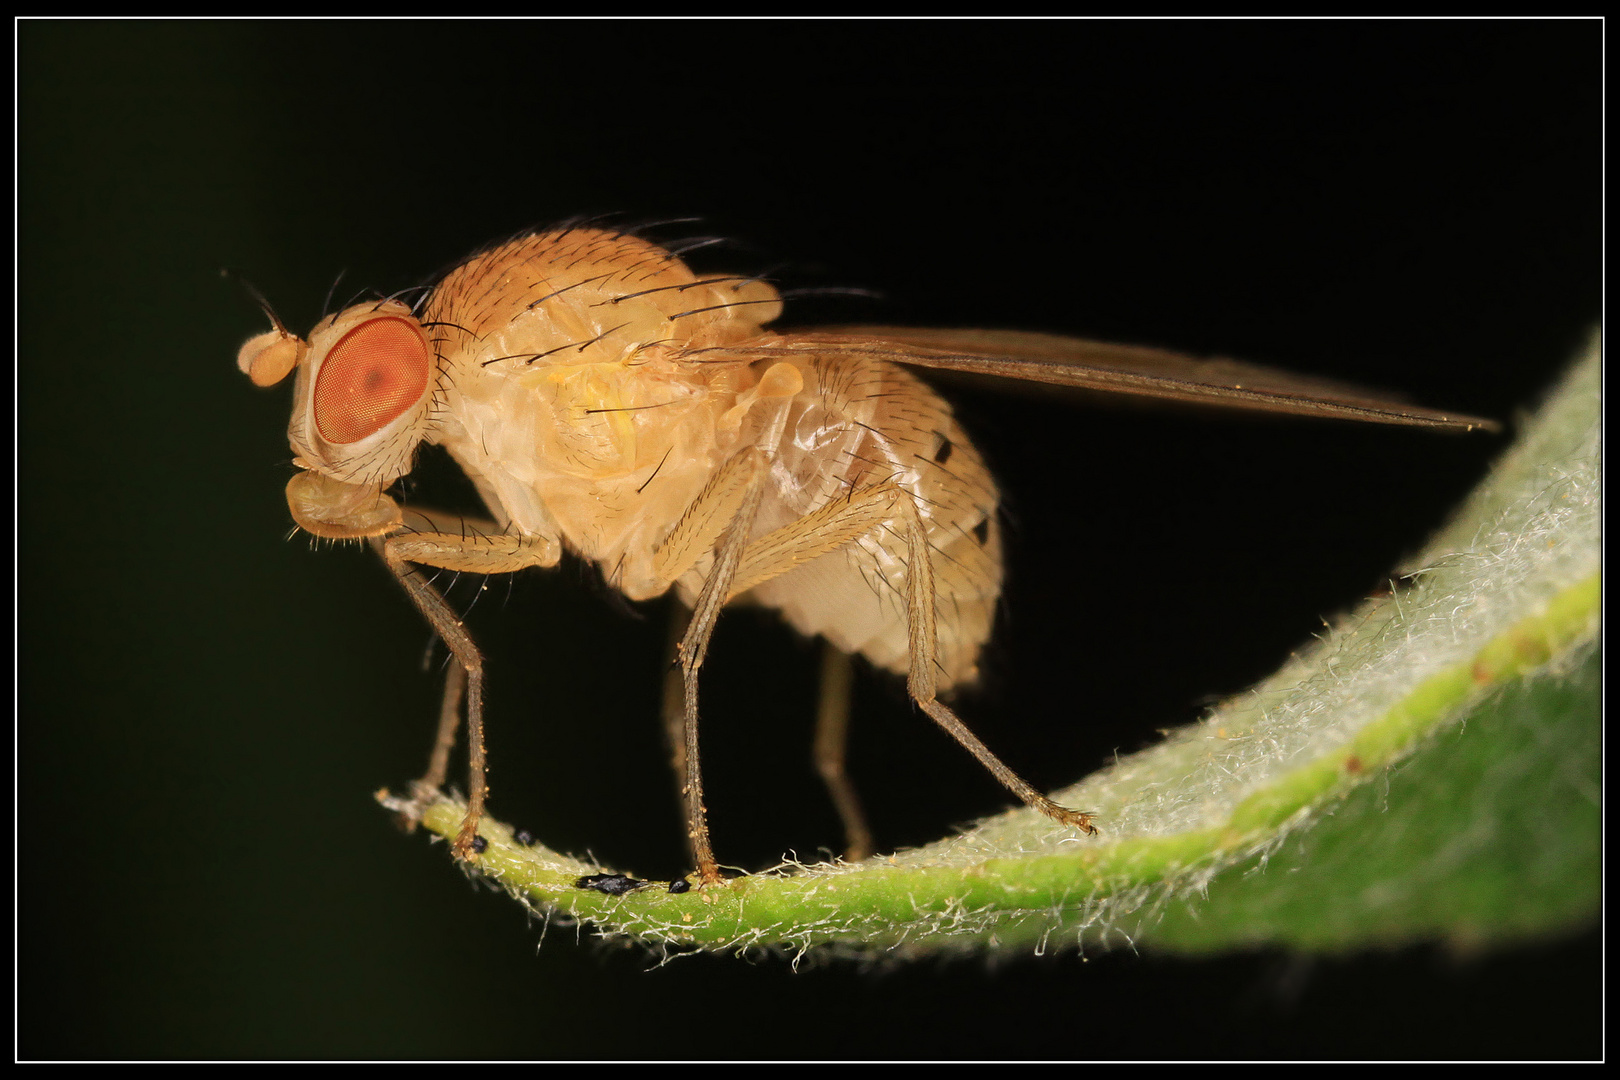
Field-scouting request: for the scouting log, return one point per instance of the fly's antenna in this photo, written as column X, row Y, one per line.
column 258, row 297
column 269, row 357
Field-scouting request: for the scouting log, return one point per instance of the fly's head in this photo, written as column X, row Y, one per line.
column 362, row 403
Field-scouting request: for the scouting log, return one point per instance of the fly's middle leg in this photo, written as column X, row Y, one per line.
column 830, row 751
column 693, row 647
column 827, row 529
column 674, row 703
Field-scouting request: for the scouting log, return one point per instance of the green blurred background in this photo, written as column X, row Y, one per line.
column 206, row 706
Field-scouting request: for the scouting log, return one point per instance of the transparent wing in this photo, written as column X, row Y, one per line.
column 1096, row 365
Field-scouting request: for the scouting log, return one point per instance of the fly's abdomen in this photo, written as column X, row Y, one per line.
column 860, row 424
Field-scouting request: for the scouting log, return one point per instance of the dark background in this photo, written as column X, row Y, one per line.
column 206, row 706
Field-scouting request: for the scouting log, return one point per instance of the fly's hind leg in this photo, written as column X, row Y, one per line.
column 474, row 548
column 920, row 683
column 830, row 528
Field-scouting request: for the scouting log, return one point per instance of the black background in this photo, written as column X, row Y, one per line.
column 205, row 706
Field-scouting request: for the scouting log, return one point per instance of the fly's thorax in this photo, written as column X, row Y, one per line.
column 578, row 392
column 588, row 296
column 606, row 457
column 593, row 423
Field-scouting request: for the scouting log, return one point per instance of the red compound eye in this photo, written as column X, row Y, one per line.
column 370, row 378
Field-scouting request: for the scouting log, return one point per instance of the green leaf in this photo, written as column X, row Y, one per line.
column 1430, row 769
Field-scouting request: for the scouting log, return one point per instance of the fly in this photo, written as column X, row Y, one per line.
column 607, row 401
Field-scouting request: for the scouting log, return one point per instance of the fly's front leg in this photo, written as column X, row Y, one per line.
column 923, row 642
column 469, row 550
column 444, row 741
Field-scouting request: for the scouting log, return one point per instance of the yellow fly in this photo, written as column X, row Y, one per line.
column 606, row 400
